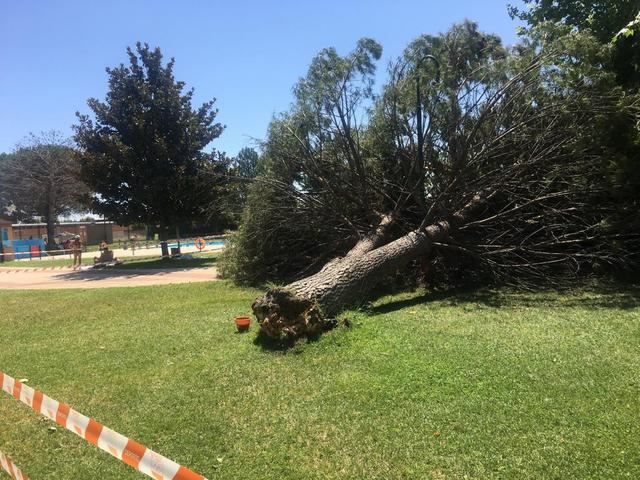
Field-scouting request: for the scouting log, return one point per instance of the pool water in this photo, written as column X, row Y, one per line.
column 210, row 243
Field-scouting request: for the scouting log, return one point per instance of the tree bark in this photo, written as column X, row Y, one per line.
column 163, row 233
column 308, row 306
column 51, row 228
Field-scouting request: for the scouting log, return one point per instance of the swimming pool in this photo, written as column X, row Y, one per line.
column 210, row 243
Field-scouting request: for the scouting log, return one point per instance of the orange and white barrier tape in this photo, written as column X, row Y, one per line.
column 11, row 468
column 129, row 451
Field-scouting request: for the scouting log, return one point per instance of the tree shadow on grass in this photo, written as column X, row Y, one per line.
column 625, row 297
column 458, row 297
column 107, row 274
column 176, row 263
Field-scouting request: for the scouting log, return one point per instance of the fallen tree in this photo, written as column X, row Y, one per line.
column 511, row 176
column 308, row 306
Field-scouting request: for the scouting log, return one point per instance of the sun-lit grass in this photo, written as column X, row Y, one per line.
column 485, row 385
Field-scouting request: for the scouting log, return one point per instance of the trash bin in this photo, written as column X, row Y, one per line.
column 175, row 251
column 34, row 251
column 165, row 249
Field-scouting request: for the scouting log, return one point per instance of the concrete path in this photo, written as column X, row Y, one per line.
column 37, row 279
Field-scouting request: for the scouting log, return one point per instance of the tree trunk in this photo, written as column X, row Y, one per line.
column 51, row 229
column 163, row 233
column 307, row 306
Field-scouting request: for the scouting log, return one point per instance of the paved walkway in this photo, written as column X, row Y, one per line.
column 37, row 279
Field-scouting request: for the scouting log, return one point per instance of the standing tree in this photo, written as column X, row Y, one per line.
column 247, row 163
column 41, row 179
column 608, row 21
column 6, row 207
column 604, row 18
column 143, row 154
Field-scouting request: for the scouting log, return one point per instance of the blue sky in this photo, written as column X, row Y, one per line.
column 247, row 54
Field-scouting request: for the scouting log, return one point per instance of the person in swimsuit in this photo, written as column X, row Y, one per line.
column 76, row 249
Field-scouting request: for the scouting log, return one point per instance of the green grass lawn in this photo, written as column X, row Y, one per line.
column 486, row 385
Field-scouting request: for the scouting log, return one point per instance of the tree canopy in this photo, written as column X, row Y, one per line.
column 143, row 152
column 246, row 163
column 612, row 23
column 41, row 179
column 604, row 18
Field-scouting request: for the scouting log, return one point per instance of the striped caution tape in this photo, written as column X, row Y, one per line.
column 11, row 468
column 129, row 451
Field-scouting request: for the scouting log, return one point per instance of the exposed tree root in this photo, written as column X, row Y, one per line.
column 283, row 315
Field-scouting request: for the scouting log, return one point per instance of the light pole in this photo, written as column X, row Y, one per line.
column 419, row 105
